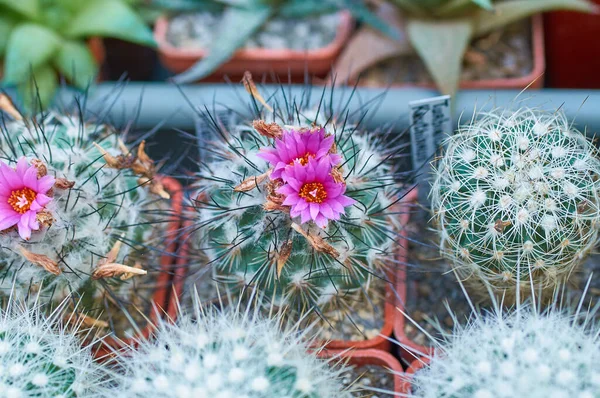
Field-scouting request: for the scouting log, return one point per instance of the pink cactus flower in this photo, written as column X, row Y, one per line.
column 22, row 196
column 299, row 146
column 313, row 194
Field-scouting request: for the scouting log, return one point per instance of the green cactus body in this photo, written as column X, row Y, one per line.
column 105, row 205
column 244, row 242
column 41, row 358
column 516, row 200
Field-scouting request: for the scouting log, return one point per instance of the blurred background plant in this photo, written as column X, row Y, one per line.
column 41, row 40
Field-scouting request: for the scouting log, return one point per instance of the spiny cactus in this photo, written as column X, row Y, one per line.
column 227, row 353
column 516, row 199
column 519, row 354
column 41, row 357
column 311, row 226
column 76, row 211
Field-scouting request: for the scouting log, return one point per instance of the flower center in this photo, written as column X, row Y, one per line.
column 21, row 199
column 303, row 160
column 313, row 192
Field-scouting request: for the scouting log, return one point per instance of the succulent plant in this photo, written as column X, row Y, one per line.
column 77, row 212
column 228, row 353
column 242, row 19
column 41, row 356
column 522, row 353
column 516, row 199
column 299, row 207
column 440, row 31
column 42, row 38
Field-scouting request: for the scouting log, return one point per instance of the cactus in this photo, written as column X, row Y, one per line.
column 227, row 353
column 515, row 199
column 256, row 231
column 519, row 354
column 92, row 224
column 41, row 357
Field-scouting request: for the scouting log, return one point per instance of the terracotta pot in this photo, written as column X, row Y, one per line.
column 372, row 357
column 572, row 49
column 257, row 61
column 533, row 80
column 390, row 313
column 409, row 350
column 414, row 367
column 161, row 298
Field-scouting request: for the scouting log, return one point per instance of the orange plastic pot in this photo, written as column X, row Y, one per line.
column 414, row 367
column 164, row 302
column 372, row 357
column 409, row 350
column 257, row 61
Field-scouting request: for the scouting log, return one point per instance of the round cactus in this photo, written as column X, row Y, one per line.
column 516, row 199
column 40, row 357
column 75, row 207
column 521, row 354
column 227, row 354
column 305, row 214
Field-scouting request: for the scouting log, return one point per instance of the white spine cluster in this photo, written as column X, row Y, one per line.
column 227, row 354
column 521, row 354
column 39, row 357
column 516, row 198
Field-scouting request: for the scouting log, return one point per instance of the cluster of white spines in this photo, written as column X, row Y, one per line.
column 229, row 354
column 66, row 150
column 522, row 354
column 517, row 193
column 39, row 357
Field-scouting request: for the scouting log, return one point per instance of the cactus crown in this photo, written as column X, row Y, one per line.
column 99, row 213
column 257, row 232
column 228, row 353
column 520, row 354
column 516, row 200
column 39, row 357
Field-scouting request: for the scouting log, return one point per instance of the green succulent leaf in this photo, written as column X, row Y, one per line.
column 511, row 11
column 237, row 26
column 30, row 46
column 485, row 4
column 363, row 14
column 441, row 45
column 7, row 24
column 39, row 88
column 306, row 8
column 75, row 61
column 410, row 7
column 28, row 8
column 110, row 18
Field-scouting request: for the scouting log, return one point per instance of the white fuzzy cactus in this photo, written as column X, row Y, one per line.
column 516, row 199
column 519, row 354
column 41, row 356
column 227, row 354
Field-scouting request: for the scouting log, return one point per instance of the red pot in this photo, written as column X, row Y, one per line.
column 409, row 350
column 164, row 301
column 573, row 49
column 372, row 357
column 414, row 367
column 257, row 61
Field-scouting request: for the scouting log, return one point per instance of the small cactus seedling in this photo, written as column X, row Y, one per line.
column 519, row 354
column 226, row 354
column 41, row 357
column 516, row 199
column 302, row 212
column 76, row 210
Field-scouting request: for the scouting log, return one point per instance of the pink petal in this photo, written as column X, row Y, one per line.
column 269, row 155
column 8, row 219
column 312, row 144
column 24, row 228
column 300, row 145
column 321, row 221
column 294, row 183
column 336, row 206
column 11, row 177
column 42, row 199
column 314, row 210
column 45, row 183
column 305, row 216
column 22, row 166
column 335, row 159
column 33, row 222
column 286, row 190
column 345, row 201
column 322, row 169
column 291, row 200
column 30, row 179
column 301, row 205
column 327, row 211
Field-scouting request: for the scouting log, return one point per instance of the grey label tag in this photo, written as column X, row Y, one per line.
column 430, row 122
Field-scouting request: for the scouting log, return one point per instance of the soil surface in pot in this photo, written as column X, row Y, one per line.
column 505, row 53
column 363, row 378
column 432, row 288
column 199, row 30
